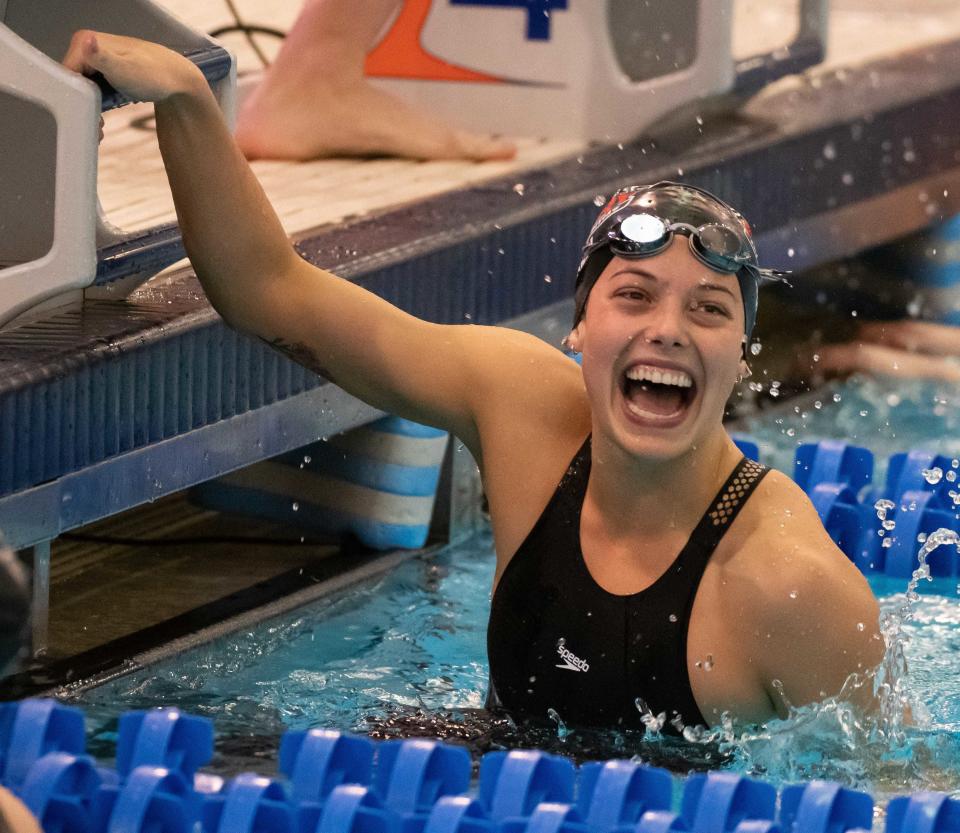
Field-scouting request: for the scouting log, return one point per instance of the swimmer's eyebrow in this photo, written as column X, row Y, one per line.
column 719, row 288
column 635, row 270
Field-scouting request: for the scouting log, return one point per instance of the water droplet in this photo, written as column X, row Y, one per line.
column 708, row 663
column 847, row 178
column 791, row 432
column 889, row 524
column 932, row 476
column 518, row 189
column 837, row 397
column 951, row 476
column 547, row 279
column 672, row 617
column 793, row 594
column 818, row 404
column 755, row 348
column 307, row 459
column 864, row 412
column 830, row 151
column 887, row 543
column 791, row 252
column 295, row 506
column 599, row 200
column 860, row 626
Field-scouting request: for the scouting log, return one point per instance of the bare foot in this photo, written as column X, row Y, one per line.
column 283, row 120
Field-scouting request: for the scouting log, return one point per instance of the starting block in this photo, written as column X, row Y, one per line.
column 56, row 241
column 577, row 69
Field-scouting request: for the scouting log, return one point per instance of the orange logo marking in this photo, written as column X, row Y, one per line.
column 401, row 54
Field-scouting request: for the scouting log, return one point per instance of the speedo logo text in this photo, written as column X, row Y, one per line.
column 570, row 660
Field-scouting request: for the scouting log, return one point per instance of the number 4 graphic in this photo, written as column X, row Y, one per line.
column 538, row 13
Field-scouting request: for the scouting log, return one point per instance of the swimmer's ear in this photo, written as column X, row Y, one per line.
column 744, row 372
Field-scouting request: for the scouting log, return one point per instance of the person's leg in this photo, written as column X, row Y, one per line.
column 314, row 100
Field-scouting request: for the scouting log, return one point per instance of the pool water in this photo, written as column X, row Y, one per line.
column 406, row 654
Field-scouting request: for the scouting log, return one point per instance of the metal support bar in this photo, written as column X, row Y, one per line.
column 38, row 558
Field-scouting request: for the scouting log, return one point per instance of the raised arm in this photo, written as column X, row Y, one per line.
column 256, row 281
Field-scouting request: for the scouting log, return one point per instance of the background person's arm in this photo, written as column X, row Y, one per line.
column 430, row 373
column 904, row 349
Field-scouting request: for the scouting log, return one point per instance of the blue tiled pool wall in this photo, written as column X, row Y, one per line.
column 921, row 494
column 333, row 782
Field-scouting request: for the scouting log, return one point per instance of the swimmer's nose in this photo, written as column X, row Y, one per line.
column 665, row 325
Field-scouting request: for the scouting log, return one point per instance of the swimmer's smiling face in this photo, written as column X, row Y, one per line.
column 661, row 340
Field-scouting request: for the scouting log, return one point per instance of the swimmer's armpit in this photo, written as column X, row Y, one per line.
column 301, row 354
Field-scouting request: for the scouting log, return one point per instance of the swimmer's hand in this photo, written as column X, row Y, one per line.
column 141, row 70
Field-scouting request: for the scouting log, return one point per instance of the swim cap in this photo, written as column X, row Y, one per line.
column 640, row 220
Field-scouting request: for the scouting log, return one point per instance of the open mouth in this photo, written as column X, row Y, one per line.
column 654, row 393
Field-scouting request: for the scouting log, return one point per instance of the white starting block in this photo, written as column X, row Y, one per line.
column 51, row 223
column 582, row 69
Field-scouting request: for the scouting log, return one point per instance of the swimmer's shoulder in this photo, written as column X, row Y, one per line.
column 525, row 382
column 779, row 545
column 806, row 611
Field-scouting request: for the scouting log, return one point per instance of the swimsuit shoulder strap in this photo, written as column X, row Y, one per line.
column 725, row 507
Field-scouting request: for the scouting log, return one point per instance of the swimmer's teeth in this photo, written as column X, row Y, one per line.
column 677, row 378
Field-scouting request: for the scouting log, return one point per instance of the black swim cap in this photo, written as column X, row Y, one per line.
column 720, row 237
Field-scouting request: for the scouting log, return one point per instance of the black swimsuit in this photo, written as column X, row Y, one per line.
column 557, row 640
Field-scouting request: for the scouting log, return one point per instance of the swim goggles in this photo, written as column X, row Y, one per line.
column 640, row 221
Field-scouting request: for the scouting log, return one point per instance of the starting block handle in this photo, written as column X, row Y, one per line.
column 806, row 50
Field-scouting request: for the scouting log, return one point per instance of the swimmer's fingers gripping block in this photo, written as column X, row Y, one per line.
column 319, row 760
column 250, row 804
column 513, row 783
column 717, row 802
column 832, row 461
column 924, row 812
column 32, row 728
column 413, row 774
column 614, row 795
column 61, row 791
column 164, row 738
column 378, row 483
column 824, row 807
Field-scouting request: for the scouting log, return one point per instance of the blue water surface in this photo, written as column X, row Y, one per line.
column 405, row 654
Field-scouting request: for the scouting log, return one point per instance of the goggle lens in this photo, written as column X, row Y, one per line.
column 643, row 228
column 646, row 234
column 719, row 240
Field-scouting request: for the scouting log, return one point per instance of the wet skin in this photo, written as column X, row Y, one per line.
column 778, row 601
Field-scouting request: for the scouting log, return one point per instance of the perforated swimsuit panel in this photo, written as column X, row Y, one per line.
column 557, row 640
